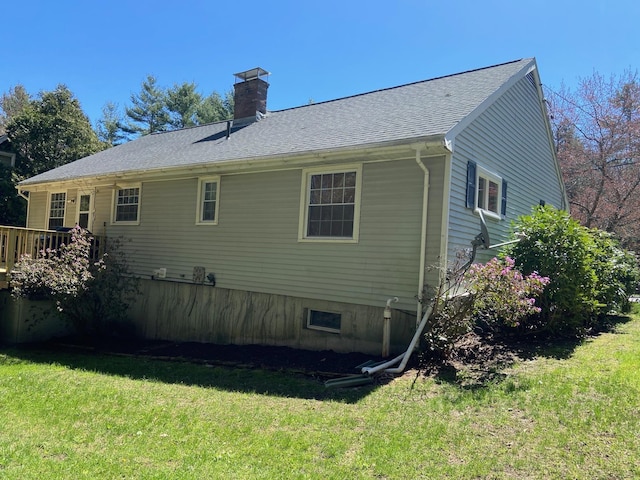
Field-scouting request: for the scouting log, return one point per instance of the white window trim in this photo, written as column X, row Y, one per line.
column 114, row 200
column 48, row 212
column 91, row 207
column 321, row 328
column 483, row 172
column 199, row 205
column 304, row 203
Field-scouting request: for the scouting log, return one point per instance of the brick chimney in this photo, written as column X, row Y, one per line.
column 250, row 93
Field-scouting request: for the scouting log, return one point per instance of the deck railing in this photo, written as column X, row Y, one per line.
column 18, row 241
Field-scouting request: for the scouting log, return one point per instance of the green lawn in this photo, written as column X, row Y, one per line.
column 82, row 416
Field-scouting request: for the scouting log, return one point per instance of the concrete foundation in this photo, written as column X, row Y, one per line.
column 203, row 313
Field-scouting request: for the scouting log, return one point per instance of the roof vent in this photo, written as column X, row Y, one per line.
column 250, row 94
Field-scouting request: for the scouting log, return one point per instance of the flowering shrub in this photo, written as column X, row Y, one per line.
column 502, row 296
column 58, row 273
column 90, row 295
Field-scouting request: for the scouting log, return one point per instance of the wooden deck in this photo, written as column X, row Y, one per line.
column 18, row 241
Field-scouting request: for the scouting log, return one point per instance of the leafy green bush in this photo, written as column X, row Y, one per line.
column 617, row 271
column 589, row 273
column 91, row 296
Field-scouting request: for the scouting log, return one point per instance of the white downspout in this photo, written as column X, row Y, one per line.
column 403, row 358
column 423, row 239
column 421, row 319
column 26, row 197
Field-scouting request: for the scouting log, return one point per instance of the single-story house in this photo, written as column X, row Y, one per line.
column 295, row 227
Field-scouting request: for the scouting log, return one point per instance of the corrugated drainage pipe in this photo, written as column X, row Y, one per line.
column 404, row 358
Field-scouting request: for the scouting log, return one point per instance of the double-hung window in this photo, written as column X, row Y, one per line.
column 126, row 204
column 331, row 204
column 57, row 202
column 85, row 207
column 486, row 191
column 208, row 200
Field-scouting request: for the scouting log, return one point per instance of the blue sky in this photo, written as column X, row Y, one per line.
column 320, row 50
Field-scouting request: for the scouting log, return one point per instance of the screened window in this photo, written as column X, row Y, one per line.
column 331, row 209
column 56, row 210
column 208, row 195
column 127, row 205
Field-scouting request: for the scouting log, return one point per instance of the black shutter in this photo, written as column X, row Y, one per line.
column 471, row 184
column 504, row 198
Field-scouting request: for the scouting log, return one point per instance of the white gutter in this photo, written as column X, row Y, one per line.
column 21, row 193
column 423, row 232
column 240, row 165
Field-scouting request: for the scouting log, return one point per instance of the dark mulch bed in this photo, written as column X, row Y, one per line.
column 475, row 360
column 324, row 362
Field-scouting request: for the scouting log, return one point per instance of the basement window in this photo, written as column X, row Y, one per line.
column 326, row 321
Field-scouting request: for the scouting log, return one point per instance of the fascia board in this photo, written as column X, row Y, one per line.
column 434, row 144
column 484, row 105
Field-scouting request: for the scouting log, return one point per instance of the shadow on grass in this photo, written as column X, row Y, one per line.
column 233, row 378
column 480, row 360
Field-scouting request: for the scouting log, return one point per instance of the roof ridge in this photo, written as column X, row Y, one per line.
column 189, row 127
column 398, row 86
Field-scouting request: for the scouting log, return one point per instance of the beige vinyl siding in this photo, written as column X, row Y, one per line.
column 102, row 202
column 37, row 210
column 510, row 139
column 255, row 245
column 70, row 208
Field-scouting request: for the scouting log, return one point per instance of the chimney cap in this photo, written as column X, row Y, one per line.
column 251, row 74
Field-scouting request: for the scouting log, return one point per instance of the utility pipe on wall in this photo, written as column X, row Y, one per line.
column 423, row 236
column 386, row 327
column 403, row 358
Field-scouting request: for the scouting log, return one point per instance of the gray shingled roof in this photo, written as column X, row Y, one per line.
column 392, row 115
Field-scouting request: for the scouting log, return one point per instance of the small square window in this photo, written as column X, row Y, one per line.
column 486, row 191
column 321, row 320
